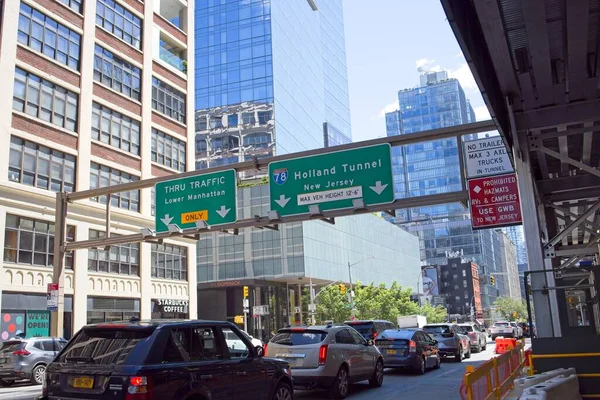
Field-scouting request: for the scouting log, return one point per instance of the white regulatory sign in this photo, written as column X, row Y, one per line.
column 487, row 157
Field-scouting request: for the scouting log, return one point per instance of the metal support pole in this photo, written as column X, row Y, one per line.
column 353, row 311
column 108, row 215
column 545, row 304
column 58, row 275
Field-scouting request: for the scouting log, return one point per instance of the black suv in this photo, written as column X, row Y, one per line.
column 370, row 329
column 165, row 359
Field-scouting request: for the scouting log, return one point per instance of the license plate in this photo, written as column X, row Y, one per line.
column 391, row 351
column 83, row 382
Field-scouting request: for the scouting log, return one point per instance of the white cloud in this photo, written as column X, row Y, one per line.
column 464, row 76
column 482, row 113
column 421, row 62
column 389, row 108
column 427, row 64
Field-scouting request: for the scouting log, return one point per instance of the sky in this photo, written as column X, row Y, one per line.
column 386, row 40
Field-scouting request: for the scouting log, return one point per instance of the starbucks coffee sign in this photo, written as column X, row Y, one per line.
column 172, row 306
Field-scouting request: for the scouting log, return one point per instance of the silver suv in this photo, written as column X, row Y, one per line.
column 27, row 359
column 327, row 357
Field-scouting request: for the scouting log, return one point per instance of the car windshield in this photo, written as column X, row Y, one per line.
column 102, row 346
column 9, row 347
column 299, row 338
column 437, row 329
column 467, row 328
column 501, row 324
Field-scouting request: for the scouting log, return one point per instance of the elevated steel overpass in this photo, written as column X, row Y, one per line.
column 537, row 64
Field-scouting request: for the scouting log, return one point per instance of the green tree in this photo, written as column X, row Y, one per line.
column 433, row 314
column 332, row 305
column 379, row 302
column 511, row 309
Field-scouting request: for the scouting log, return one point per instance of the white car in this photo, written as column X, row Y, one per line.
column 518, row 330
column 234, row 342
column 502, row 328
column 255, row 341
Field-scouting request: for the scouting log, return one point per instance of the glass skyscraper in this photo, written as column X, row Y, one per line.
column 270, row 78
column 433, row 167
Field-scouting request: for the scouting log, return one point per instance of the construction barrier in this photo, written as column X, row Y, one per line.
column 522, row 384
column 493, row 379
column 558, row 388
column 505, row 344
column 532, row 357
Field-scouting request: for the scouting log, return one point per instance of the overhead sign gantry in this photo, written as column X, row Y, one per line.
column 190, row 203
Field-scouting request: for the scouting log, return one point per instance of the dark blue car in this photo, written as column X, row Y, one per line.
column 408, row 348
column 166, row 359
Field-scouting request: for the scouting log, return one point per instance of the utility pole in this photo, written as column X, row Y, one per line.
column 312, row 307
column 353, row 310
column 58, row 273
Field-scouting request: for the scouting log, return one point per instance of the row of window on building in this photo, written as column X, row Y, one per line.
column 39, row 166
column 232, row 120
column 30, row 241
column 45, row 35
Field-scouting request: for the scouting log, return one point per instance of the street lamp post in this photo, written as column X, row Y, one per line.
column 353, row 310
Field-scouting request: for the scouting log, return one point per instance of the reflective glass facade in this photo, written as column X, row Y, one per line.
column 309, row 249
column 432, row 168
column 281, row 57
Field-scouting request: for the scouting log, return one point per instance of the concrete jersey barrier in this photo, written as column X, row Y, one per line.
column 558, row 388
column 524, row 383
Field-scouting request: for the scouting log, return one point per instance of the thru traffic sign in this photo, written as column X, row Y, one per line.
column 209, row 197
column 332, row 181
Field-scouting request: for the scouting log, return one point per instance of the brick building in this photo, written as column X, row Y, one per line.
column 460, row 286
column 96, row 93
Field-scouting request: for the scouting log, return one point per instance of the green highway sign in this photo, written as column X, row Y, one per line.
column 332, row 181
column 209, row 197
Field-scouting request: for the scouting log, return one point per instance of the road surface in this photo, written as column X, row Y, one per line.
column 435, row 384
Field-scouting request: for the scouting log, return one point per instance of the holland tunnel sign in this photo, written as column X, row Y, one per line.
column 332, row 181
column 494, row 201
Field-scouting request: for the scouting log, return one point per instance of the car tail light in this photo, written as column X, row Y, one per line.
column 375, row 334
column 139, row 388
column 412, row 346
column 21, row 352
column 265, row 348
column 323, row 354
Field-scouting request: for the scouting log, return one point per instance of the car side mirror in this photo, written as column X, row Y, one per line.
column 260, row 352
column 370, row 342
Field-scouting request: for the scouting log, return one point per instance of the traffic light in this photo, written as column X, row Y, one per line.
column 342, row 288
column 246, row 292
column 492, row 281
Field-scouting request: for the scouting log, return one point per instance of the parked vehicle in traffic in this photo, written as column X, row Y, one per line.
column 518, row 330
column 27, row 358
column 476, row 336
column 328, row 357
column 408, row 348
column 526, row 329
column 451, row 342
column 255, row 342
column 502, row 328
column 164, row 359
column 370, row 329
